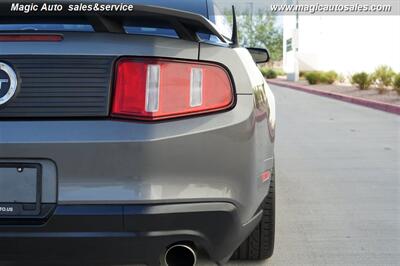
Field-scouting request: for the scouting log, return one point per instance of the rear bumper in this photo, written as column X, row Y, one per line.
column 127, row 190
column 212, row 158
column 126, row 233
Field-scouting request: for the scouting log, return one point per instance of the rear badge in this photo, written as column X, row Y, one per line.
column 8, row 83
column 6, row 209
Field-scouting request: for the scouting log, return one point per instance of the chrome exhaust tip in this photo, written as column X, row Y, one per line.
column 180, row 255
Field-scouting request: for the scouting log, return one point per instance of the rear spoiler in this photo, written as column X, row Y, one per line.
column 186, row 24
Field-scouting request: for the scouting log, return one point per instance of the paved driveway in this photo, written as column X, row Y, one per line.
column 338, row 183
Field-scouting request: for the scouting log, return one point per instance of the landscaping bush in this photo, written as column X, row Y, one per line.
column 269, row 73
column 329, row 77
column 313, row 77
column 362, row 80
column 264, row 70
column 396, row 83
column 383, row 76
column 280, row 72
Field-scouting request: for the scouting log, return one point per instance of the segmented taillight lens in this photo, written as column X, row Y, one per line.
column 31, row 38
column 154, row 89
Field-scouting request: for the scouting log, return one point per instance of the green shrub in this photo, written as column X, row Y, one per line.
column 396, row 83
column 313, row 77
column 362, row 80
column 269, row 73
column 329, row 77
column 280, row 72
column 264, row 71
column 383, row 76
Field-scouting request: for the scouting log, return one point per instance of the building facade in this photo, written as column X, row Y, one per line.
column 345, row 44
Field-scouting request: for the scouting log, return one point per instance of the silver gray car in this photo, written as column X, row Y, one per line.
column 132, row 136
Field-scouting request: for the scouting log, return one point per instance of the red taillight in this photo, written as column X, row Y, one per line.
column 265, row 176
column 30, row 38
column 154, row 89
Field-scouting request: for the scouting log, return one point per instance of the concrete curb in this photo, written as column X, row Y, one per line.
column 390, row 108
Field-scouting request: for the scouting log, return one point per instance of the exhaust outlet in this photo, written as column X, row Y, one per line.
column 180, row 255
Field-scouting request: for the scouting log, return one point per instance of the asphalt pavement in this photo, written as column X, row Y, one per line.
column 338, row 183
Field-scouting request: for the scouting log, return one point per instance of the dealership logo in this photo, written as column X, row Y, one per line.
column 8, row 83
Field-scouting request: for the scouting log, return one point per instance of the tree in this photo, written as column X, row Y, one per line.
column 260, row 30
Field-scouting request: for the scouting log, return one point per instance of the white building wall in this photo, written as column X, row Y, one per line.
column 346, row 44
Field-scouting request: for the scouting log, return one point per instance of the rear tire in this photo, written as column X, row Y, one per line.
column 260, row 244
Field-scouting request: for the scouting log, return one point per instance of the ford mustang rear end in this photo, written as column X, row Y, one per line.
column 141, row 137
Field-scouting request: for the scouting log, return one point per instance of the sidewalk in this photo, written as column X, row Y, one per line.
column 388, row 102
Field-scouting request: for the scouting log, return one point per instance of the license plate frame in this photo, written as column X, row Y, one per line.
column 21, row 209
